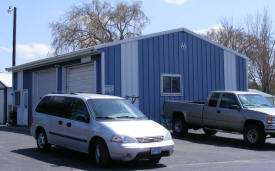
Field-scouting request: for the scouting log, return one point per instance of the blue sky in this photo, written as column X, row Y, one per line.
column 34, row 36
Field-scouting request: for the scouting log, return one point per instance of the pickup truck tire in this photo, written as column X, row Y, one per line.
column 209, row 132
column 254, row 135
column 179, row 126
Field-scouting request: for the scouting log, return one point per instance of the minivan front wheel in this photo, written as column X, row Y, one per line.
column 42, row 141
column 101, row 153
column 154, row 160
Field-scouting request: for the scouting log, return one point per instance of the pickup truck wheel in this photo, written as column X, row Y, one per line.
column 179, row 126
column 209, row 132
column 254, row 135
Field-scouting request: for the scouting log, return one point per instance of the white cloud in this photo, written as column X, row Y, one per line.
column 204, row 31
column 60, row 12
column 30, row 51
column 177, row 2
column 5, row 49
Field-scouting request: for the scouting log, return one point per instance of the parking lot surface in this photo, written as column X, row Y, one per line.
column 194, row 152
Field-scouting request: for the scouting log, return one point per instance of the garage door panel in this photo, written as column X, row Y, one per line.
column 46, row 82
column 81, row 78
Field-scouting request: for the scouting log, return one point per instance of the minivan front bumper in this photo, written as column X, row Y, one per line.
column 132, row 151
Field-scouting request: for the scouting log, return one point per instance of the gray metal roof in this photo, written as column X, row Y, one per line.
column 55, row 59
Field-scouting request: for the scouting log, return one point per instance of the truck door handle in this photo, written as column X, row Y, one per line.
column 69, row 124
column 218, row 111
column 59, row 122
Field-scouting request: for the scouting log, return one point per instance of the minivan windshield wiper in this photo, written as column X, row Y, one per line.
column 104, row 117
column 126, row 117
column 249, row 105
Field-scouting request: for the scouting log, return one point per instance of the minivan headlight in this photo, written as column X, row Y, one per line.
column 167, row 136
column 123, row 139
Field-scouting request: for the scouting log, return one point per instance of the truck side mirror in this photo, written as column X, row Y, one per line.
column 235, row 107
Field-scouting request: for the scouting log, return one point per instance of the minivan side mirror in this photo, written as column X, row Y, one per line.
column 83, row 119
column 235, row 107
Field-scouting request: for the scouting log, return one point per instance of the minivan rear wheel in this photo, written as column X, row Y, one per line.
column 42, row 141
column 101, row 153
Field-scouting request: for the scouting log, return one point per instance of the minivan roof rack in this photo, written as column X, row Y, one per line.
column 59, row 92
column 79, row 92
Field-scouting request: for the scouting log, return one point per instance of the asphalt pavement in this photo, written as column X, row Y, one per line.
column 195, row 152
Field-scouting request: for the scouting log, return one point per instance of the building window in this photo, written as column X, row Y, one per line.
column 17, row 98
column 171, row 85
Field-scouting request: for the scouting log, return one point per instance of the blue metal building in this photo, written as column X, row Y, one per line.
column 176, row 64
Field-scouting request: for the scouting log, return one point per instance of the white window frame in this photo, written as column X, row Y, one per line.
column 170, row 94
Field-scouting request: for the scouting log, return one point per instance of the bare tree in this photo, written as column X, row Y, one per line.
column 96, row 23
column 256, row 40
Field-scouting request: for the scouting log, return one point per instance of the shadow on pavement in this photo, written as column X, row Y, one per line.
column 222, row 142
column 62, row 157
column 18, row 130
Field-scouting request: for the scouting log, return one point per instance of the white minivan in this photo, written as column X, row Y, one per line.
column 106, row 127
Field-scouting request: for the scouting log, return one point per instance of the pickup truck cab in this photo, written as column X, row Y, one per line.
column 234, row 111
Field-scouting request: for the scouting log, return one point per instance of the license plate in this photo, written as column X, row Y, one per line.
column 155, row 151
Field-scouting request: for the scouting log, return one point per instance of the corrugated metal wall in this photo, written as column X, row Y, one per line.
column 200, row 63
column 112, row 60
column 241, row 74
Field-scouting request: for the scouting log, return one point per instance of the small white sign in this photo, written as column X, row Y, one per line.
column 109, row 89
column 183, row 45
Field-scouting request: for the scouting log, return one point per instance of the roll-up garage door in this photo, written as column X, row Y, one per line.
column 81, row 78
column 46, row 82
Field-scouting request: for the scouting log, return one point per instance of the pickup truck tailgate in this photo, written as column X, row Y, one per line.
column 191, row 111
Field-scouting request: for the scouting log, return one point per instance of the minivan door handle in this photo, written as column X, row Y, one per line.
column 59, row 122
column 69, row 124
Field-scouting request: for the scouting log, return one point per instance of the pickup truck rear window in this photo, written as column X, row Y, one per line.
column 214, row 100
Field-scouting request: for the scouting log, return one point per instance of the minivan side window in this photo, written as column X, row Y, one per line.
column 59, row 106
column 54, row 105
column 42, row 107
column 214, row 100
column 78, row 111
column 228, row 100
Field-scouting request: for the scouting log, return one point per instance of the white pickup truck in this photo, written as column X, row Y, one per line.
column 248, row 113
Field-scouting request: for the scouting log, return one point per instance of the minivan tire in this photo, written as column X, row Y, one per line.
column 254, row 135
column 209, row 132
column 42, row 141
column 154, row 160
column 179, row 126
column 101, row 153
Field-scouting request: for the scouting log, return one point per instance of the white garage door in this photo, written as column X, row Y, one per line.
column 46, row 82
column 81, row 78
column 2, row 106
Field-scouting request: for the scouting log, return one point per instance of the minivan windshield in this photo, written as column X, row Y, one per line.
column 114, row 109
column 254, row 100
